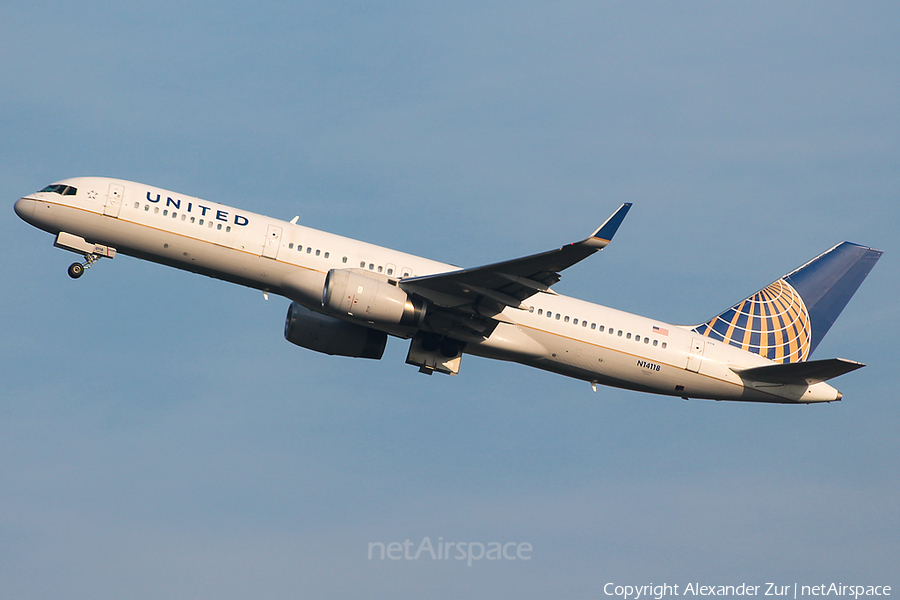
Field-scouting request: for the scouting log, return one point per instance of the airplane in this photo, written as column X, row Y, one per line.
column 348, row 296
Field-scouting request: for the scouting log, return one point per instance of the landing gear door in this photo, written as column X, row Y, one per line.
column 273, row 242
column 114, row 200
column 698, row 345
column 430, row 355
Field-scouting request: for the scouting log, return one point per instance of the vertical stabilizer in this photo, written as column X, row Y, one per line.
column 787, row 320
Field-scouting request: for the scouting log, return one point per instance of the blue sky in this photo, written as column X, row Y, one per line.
column 159, row 438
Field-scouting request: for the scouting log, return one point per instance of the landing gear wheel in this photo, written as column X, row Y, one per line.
column 75, row 270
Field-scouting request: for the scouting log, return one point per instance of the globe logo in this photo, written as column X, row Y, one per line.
column 773, row 323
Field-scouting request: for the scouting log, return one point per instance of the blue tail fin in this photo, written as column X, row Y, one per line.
column 786, row 320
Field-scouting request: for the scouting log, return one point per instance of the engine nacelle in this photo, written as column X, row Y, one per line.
column 332, row 336
column 359, row 296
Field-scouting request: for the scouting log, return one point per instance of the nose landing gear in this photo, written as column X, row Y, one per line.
column 76, row 269
column 91, row 252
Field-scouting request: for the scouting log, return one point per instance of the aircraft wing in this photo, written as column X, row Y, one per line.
column 510, row 282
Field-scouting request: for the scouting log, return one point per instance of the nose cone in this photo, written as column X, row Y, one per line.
column 24, row 207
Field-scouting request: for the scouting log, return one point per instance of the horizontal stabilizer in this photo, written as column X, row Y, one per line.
column 809, row 372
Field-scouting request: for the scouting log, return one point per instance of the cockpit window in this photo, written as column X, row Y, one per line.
column 62, row 190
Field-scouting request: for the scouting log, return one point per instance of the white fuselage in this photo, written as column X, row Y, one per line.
column 557, row 333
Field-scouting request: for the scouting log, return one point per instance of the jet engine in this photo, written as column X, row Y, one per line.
column 332, row 336
column 364, row 298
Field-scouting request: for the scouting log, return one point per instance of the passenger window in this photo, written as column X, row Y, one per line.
column 531, row 309
column 166, row 213
column 317, row 252
column 646, row 340
column 540, row 311
column 201, row 221
column 371, row 266
column 574, row 321
column 309, row 249
column 628, row 337
column 326, row 255
column 601, row 328
column 637, row 338
column 549, row 315
column 594, row 326
column 362, row 264
column 209, row 224
column 192, row 219
column 584, row 323
column 344, row 260
column 219, row 227
column 620, row 333
column 406, row 273
column 137, row 204
column 566, row 319
column 146, row 207
column 558, row 316
column 379, row 268
column 291, row 246
column 390, row 271
column 299, row 248
column 174, row 215
column 655, row 342
column 228, row 229
column 155, row 210
column 664, row 345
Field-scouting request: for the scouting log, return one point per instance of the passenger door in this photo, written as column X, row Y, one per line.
column 695, row 358
column 114, row 200
column 272, row 242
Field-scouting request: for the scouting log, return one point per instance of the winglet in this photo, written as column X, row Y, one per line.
column 605, row 232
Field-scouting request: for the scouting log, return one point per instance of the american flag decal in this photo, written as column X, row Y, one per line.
column 660, row 330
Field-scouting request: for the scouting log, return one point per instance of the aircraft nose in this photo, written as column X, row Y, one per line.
column 24, row 207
